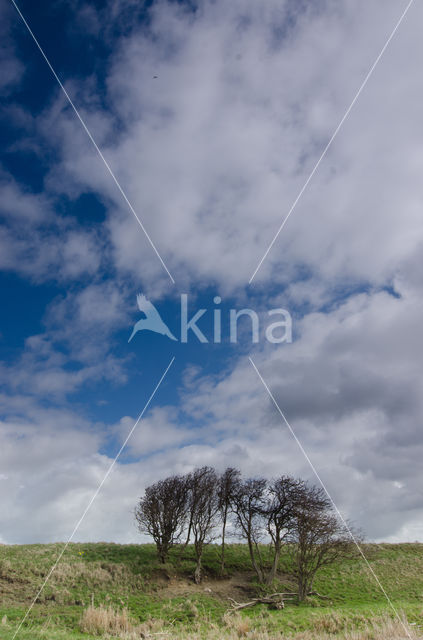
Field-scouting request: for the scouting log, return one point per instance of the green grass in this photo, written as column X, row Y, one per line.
column 130, row 576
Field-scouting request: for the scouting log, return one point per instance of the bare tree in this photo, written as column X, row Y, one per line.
column 266, row 510
column 249, row 506
column 286, row 510
column 283, row 494
column 204, row 508
column 192, row 481
column 317, row 537
column 228, row 483
column 162, row 513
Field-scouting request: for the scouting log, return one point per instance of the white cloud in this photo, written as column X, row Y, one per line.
column 40, row 244
column 212, row 153
column 75, row 347
column 349, row 387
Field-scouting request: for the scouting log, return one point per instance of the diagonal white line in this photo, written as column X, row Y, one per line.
column 93, row 498
column 94, row 142
column 335, row 133
column 341, row 517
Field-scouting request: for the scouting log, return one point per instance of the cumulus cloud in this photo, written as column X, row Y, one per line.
column 212, row 153
column 38, row 243
column 345, row 386
column 75, row 347
column 350, row 388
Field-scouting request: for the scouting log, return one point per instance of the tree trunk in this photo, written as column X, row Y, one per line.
column 222, row 557
column 275, row 564
column 302, row 589
column 256, row 567
column 162, row 553
column 197, row 572
column 184, row 546
column 188, row 536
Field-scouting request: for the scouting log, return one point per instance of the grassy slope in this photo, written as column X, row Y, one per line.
column 130, row 576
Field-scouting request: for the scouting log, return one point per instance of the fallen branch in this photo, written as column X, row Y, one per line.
column 274, row 600
column 236, row 606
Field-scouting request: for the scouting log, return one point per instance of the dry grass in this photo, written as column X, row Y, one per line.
column 93, row 574
column 239, row 628
column 108, row 623
column 101, row 620
column 379, row 630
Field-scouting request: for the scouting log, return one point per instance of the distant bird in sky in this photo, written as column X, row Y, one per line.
column 152, row 321
column 155, row 77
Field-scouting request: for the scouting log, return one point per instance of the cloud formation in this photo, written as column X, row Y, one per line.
column 212, row 153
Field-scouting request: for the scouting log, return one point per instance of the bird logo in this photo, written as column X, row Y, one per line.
column 152, row 320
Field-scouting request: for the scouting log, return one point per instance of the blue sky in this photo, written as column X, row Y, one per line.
column 211, row 154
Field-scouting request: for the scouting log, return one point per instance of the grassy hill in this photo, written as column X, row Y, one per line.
column 135, row 597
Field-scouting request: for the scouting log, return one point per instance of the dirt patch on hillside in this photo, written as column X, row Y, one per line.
column 238, row 586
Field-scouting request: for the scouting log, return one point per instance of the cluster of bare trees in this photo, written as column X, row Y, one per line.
column 285, row 513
